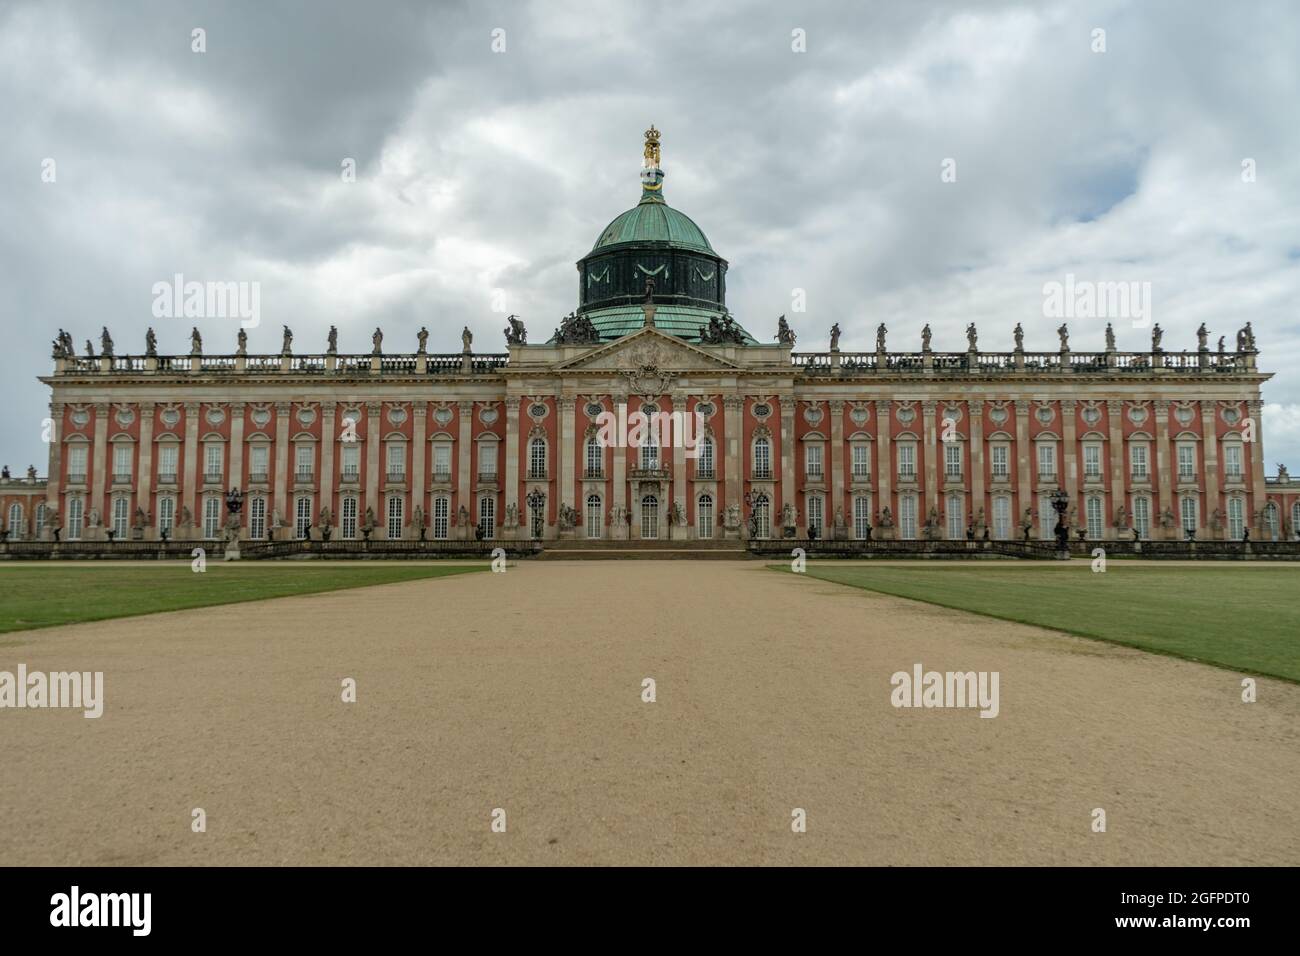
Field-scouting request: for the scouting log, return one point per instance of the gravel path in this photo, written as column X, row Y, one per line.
column 523, row 691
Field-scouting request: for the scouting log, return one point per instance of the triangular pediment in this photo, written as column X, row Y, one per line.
column 647, row 348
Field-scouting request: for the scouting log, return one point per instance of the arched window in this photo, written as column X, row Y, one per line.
column 704, row 462
column 537, row 458
column 257, row 518
column 487, row 516
column 1271, row 529
column 956, row 511
column 211, row 515
column 907, row 517
column 395, row 515
column 815, row 511
column 595, row 459
column 15, row 525
column 76, row 514
column 1236, row 519
column 1092, row 509
column 166, row 515
column 861, row 517
column 595, row 516
column 121, row 517
column 1187, row 508
column 704, row 517
column 762, row 517
column 1142, row 516
column 762, row 458
column 649, row 516
column 302, row 518
column 39, row 530
column 1002, row 517
column 441, row 511
column 1295, row 518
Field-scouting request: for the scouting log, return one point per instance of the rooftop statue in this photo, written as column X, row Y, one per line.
column 925, row 338
column 377, row 342
column 286, row 347
column 835, row 337
column 106, row 343
column 880, row 337
column 196, row 341
column 1019, row 334
column 516, row 334
column 1110, row 337
column 333, row 340
column 1064, row 333
column 150, row 343
column 784, row 334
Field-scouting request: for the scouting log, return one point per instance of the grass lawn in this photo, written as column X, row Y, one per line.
column 1243, row 617
column 34, row 595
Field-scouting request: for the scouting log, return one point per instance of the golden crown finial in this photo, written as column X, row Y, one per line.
column 652, row 147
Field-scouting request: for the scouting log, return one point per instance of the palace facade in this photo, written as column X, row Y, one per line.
column 507, row 445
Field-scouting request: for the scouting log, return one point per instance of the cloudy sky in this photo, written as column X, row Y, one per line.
column 482, row 174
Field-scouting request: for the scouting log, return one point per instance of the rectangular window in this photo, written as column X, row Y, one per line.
column 1046, row 460
column 861, row 517
column 487, row 511
column 121, row 462
column 257, row 518
column 956, row 512
column 861, row 461
column 813, row 460
column 395, row 517
column 1186, row 462
column 121, row 513
column 211, row 516
column 257, row 467
column 1046, row 518
column 1188, row 513
column 1091, row 461
column 1002, row 518
column 1236, row 519
column 302, row 518
column 907, row 463
column 212, row 459
column 1001, row 454
column 907, row 517
column 442, row 461
column 1093, row 511
column 303, row 461
column 815, row 516
column 762, row 459
column 77, row 463
column 537, row 458
column 166, row 515
column 396, row 461
column 1138, row 459
column 1232, row 461
column 952, row 460
column 1142, row 517
column 704, row 464
column 595, row 457
column 487, row 460
column 76, row 512
column 348, row 525
column 351, row 462
column 441, row 509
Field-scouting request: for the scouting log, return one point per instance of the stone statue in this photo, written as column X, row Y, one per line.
column 886, row 519
column 1282, row 473
column 241, row 343
column 1222, row 347
column 1216, row 520
column 1166, row 518
column 733, row 518
column 516, row 334
column 972, row 337
column 880, row 337
column 1019, row 334
column 1121, row 517
column 196, row 341
column 512, row 515
column 1064, row 334
column 150, row 343
column 106, row 343
column 1110, row 337
column 90, row 349
column 839, row 519
column 1250, row 338
column 463, row 515
column 333, row 340
column 60, row 349
column 370, row 518
column 784, row 334
column 576, row 330
column 1202, row 338
column 286, row 346
column 925, row 338
column 377, row 342
column 31, row 472
column 835, row 337
column 140, row 520
column 187, row 517
column 932, row 524
column 418, row 518
column 787, row 515
column 568, row 517
column 327, row 517
column 1157, row 334
column 422, row 340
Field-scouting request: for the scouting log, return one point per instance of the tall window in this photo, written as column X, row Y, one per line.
column 212, row 459
column 1187, row 462
column 861, row 517
column 303, row 460
column 704, row 463
column 1236, row 519
column 595, row 516
column 1295, row 519
column 762, row 458
column 302, row 518
column 1188, row 509
column 77, row 463
column 1270, row 521
column 1092, row 510
column 1000, row 457
column 815, row 507
column 166, row 515
column 348, row 519
column 649, row 516
column 257, row 458
column 395, row 503
column 1002, row 518
column 861, row 461
column 76, row 514
column 442, row 460
column 441, row 509
column 650, row 450
column 257, row 517
column 1046, row 460
column 121, row 517
column 956, row 509
column 39, row 530
column 813, row 460
column 1138, row 459
column 1091, row 461
column 1142, row 516
column 952, row 460
column 122, row 462
column 906, row 461
column 396, row 461
column 351, row 461
column 907, row 517
column 167, row 463
column 211, row 516
column 762, row 517
column 487, row 516
column 537, row 458
column 1232, row 460
column 487, row 460
column 595, row 459
column 704, row 517
column 1046, row 518
column 15, row 525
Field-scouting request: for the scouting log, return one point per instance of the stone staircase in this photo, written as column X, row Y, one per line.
column 600, row 549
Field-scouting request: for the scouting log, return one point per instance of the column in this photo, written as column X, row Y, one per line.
column 1257, row 492
column 884, row 462
column 1024, row 452
column 1164, row 482
column 837, row 466
column 189, row 479
column 512, row 461
column 98, row 467
column 1118, row 462
column 281, row 504
column 679, row 465
column 932, row 474
column 54, row 470
column 144, row 466
column 733, row 421
column 418, row 469
column 325, row 478
column 1069, row 458
column 465, row 498
column 236, row 410
column 373, row 440
column 976, row 443
column 566, row 492
column 787, row 464
column 1210, row 463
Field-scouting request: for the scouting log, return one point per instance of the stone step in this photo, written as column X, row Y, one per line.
column 644, row 554
column 657, row 544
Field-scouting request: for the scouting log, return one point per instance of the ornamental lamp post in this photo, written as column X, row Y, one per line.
column 1060, row 502
column 536, row 501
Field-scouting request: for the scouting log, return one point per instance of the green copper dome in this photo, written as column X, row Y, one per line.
column 653, row 220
